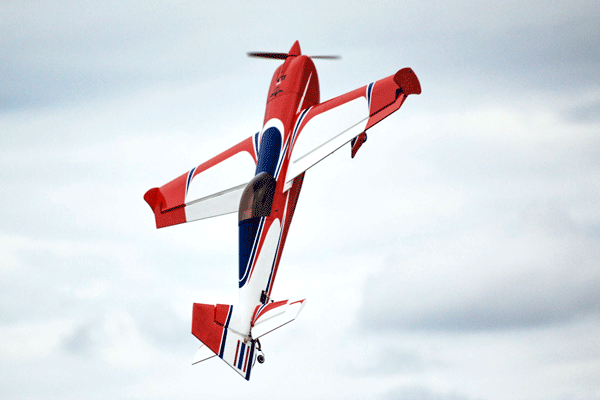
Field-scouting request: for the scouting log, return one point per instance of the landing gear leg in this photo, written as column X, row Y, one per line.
column 261, row 357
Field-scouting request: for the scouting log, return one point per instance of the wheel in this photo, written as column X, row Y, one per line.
column 261, row 358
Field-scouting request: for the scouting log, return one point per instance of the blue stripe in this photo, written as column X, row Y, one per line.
column 241, row 356
column 223, row 341
column 189, row 179
column 229, row 316
column 299, row 123
column 224, row 338
column 281, row 160
column 247, row 228
column 270, row 149
column 260, row 309
column 369, row 91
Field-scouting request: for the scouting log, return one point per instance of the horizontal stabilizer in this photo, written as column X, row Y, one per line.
column 203, row 354
column 210, row 324
column 268, row 317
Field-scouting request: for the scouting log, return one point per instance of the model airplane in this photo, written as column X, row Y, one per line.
column 298, row 132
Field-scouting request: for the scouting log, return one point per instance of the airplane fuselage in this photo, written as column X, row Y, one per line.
column 267, row 206
column 298, row 132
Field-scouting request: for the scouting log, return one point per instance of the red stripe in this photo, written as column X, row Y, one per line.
column 254, row 315
column 246, row 362
column 236, row 352
column 292, row 199
column 270, row 307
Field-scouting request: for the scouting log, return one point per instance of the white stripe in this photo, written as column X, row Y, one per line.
column 305, row 89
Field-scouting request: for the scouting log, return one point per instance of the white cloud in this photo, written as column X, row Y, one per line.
column 32, row 341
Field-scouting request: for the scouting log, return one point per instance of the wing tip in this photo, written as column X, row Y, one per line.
column 154, row 198
column 408, row 81
column 156, row 201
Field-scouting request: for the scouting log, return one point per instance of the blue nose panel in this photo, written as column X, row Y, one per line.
column 268, row 154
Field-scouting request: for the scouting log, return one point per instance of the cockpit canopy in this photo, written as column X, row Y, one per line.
column 257, row 198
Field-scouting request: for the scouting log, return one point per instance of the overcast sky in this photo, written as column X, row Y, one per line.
column 456, row 257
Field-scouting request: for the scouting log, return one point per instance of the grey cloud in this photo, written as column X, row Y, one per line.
column 162, row 326
column 587, row 113
column 76, row 53
column 532, row 281
column 391, row 362
column 44, row 285
column 155, row 321
column 80, row 342
column 421, row 393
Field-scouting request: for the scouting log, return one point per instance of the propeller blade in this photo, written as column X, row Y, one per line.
column 283, row 56
column 277, row 56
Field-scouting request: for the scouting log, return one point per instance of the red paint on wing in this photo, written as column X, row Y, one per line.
column 383, row 94
column 168, row 201
column 408, row 81
column 254, row 314
column 332, row 103
column 270, row 307
column 389, row 94
column 245, row 145
column 156, row 200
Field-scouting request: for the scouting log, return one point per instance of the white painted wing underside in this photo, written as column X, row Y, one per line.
column 225, row 202
column 276, row 318
column 325, row 133
column 212, row 192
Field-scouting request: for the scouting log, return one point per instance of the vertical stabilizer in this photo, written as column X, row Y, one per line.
column 210, row 324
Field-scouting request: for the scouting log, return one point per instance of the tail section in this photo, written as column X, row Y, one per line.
column 210, row 324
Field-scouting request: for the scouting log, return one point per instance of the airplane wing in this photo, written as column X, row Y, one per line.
column 324, row 128
column 270, row 316
column 211, row 189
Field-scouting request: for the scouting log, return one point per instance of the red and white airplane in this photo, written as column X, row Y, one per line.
column 298, row 132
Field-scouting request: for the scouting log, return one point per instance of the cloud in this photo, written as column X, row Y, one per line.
column 459, row 247
column 80, row 341
column 505, row 237
column 421, row 393
column 589, row 112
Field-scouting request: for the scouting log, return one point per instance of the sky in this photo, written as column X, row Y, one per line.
column 455, row 258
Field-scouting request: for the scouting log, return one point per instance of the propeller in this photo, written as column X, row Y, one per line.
column 283, row 56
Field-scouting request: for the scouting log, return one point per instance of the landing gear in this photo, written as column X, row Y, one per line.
column 261, row 357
